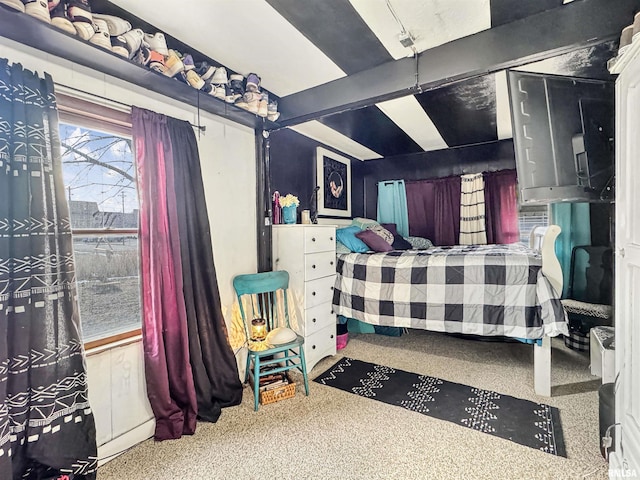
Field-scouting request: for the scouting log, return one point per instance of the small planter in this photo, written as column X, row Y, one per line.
column 289, row 214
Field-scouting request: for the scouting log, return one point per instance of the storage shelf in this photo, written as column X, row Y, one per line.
column 30, row 31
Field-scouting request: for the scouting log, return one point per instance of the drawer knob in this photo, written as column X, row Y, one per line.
column 332, row 312
column 332, row 288
column 332, row 336
column 313, row 294
column 331, row 238
column 313, row 347
column 314, row 320
column 313, row 266
column 331, row 262
column 313, row 239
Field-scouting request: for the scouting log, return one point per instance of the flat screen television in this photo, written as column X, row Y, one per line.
column 563, row 131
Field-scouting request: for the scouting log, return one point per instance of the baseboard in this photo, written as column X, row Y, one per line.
column 124, row 442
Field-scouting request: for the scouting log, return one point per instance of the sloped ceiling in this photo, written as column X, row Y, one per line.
column 299, row 45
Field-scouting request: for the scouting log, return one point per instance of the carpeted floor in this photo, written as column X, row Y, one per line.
column 337, row 435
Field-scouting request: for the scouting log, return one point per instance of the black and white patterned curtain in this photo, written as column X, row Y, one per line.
column 47, row 428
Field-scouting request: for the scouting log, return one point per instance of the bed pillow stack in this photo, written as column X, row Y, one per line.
column 365, row 235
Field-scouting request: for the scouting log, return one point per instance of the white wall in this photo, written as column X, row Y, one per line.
column 227, row 152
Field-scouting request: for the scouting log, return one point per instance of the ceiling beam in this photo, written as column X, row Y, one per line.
column 563, row 29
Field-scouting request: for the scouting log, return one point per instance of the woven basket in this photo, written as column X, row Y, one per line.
column 280, row 393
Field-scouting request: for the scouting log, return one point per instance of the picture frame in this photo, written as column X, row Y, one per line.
column 333, row 176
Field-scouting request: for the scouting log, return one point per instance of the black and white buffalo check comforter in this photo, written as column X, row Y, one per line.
column 470, row 289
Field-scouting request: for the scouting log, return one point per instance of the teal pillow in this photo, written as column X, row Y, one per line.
column 347, row 236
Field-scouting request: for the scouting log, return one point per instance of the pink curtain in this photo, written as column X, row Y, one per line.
column 501, row 205
column 169, row 377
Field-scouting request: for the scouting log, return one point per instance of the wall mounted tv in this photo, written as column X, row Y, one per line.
column 563, row 131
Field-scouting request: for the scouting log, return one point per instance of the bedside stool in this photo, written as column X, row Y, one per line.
column 602, row 352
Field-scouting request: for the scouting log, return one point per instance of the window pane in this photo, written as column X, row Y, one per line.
column 99, row 175
column 108, row 284
column 530, row 217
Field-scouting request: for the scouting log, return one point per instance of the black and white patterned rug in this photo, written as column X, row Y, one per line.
column 534, row 425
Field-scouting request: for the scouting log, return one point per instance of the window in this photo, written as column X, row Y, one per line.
column 99, row 176
column 531, row 216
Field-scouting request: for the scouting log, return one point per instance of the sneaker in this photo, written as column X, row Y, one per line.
column 157, row 42
column 253, row 83
column 119, row 46
column 190, row 77
column 117, row 26
column 79, row 11
column 220, row 92
column 205, row 71
column 156, row 61
column 60, row 20
column 173, row 63
column 38, row 9
column 272, row 110
column 220, row 77
column 53, row 4
column 241, row 103
column 187, row 61
column 17, row 4
column 252, row 99
column 237, row 84
column 263, row 103
column 101, row 37
column 132, row 41
column 229, row 95
column 84, row 30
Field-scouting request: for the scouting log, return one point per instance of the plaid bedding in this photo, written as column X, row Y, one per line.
column 472, row 289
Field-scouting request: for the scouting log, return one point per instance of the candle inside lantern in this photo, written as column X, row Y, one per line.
column 258, row 329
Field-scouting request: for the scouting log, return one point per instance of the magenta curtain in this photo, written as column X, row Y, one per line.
column 501, row 206
column 170, row 384
column 433, row 208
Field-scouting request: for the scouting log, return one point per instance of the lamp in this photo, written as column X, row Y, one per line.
column 258, row 329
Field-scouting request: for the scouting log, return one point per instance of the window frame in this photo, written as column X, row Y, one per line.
column 116, row 119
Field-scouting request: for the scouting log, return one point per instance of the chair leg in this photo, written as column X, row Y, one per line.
column 246, row 369
column 256, row 382
column 303, row 364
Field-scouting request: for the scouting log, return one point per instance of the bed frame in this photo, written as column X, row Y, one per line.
column 543, row 240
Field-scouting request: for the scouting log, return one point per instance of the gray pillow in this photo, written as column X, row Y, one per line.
column 419, row 243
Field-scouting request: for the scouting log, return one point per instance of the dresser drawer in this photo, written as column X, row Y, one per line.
column 317, row 265
column 318, row 291
column 318, row 317
column 319, row 345
column 319, row 239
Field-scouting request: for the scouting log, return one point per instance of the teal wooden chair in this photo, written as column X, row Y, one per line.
column 263, row 300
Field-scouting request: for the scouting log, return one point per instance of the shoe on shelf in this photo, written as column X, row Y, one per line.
column 263, row 104
column 236, row 81
column 60, row 20
column 101, row 37
column 119, row 46
column 157, row 42
column 272, row 110
column 131, row 41
column 38, row 9
column 79, row 11
column 252, row 99
column 16, row 4
column 190, row 77
column 53, row 4
column 156, row 62
column 187, row 61
column 173, row 63
column 241, row 103
column 220, row 77
column 84, row 30
column 205, row 70
column 117, row 26
column 229, row 95
column 253, row 83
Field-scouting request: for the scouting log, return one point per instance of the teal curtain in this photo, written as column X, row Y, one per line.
column 575, row 221
column 392, row 205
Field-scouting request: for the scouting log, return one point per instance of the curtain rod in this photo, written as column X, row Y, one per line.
column 126, row 106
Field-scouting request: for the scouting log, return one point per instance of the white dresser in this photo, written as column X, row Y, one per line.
column 308, row 253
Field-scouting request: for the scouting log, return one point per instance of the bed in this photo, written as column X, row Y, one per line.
column 488, row 290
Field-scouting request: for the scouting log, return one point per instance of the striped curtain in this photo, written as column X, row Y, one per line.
column 472, row 210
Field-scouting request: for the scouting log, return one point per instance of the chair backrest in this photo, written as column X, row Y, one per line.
column 543, row 240
column 265, row 290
